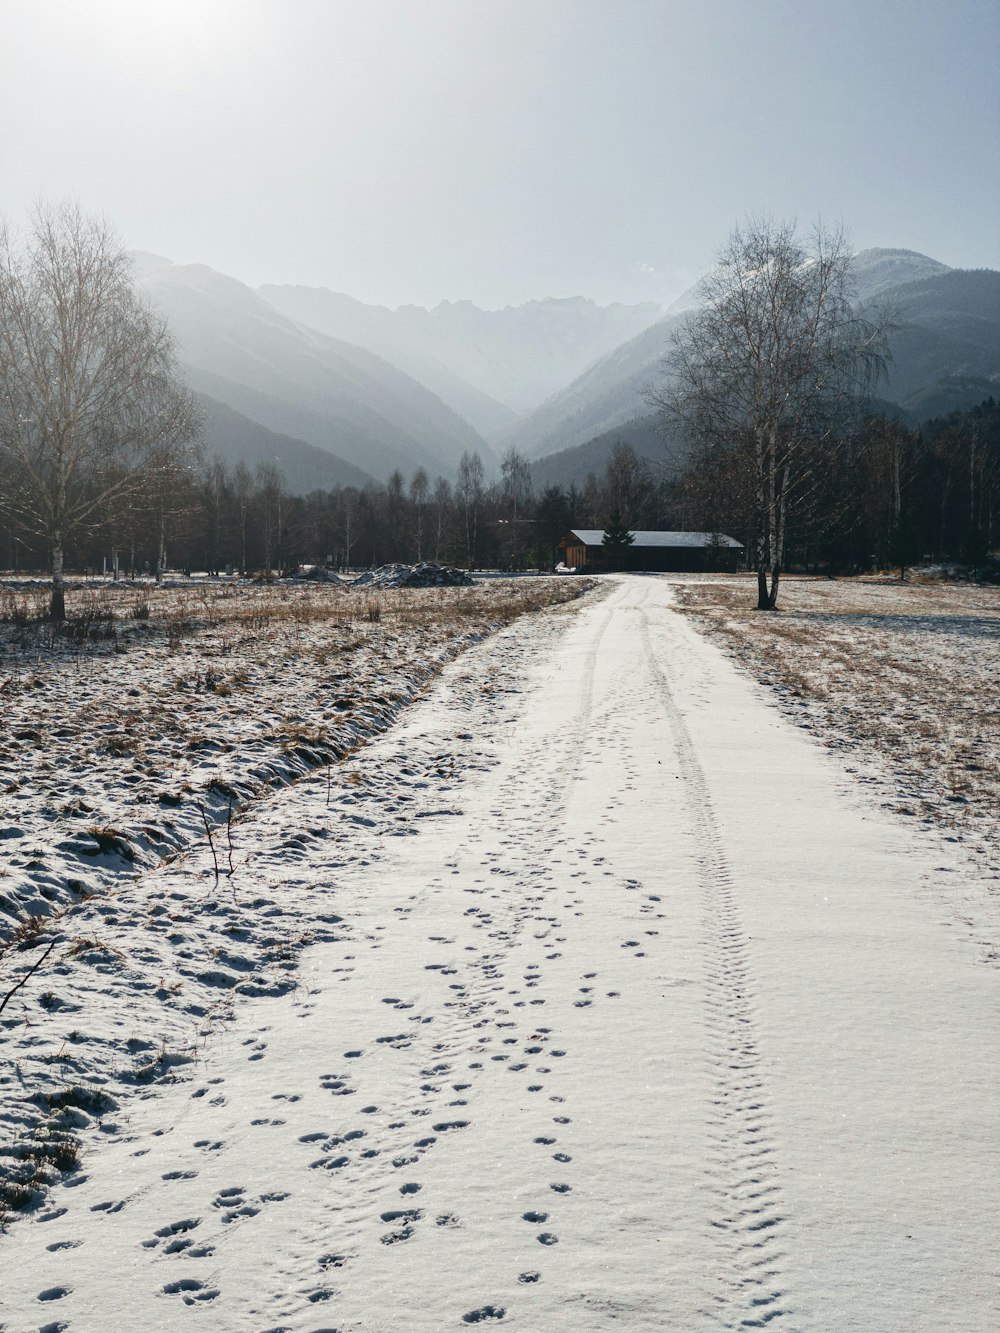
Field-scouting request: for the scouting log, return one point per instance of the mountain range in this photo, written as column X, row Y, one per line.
column 945, row 353
column 298, row 383
column 492, row 366
column 338, row 392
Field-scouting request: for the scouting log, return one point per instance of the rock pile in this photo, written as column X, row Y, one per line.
column 316, row 574
column 425, row 575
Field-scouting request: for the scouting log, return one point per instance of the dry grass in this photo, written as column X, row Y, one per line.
column 904, row 676
column 106, row 735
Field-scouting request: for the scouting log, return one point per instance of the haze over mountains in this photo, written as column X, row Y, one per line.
column 301, row 384
column 335, row 391
column 945, row 351
column 512, row 359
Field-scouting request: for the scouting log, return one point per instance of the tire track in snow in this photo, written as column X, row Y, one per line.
column 747, row 1210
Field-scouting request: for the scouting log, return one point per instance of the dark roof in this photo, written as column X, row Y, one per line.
column 595, row 537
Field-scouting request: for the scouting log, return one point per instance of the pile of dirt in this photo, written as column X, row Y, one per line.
column 424, row 575
column 315, row 574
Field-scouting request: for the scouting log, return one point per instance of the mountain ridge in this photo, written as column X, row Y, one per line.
column 514, row 357
column 403, row 393
column 949, row 328
column 301, row 383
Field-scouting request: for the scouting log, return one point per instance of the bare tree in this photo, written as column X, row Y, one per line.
column 90, row 403
column 628, row 485
column 515, row 477
column 420, row 488
column 469, row 492
column 347, row 514
column 442, row 508
column 271, row 498
column 243, row 497
column 769, row 370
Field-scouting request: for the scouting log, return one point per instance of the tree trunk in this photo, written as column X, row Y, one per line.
column 767, row 598
column 57, row 601
column 772, row 600
column 763, row 603
column 161, row 552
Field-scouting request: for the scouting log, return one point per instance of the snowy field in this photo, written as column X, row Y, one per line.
column 902, row 679
column 627, row 1005
column 164, row 714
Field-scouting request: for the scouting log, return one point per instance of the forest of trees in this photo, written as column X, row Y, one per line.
column 897, row 496
column 207, row 516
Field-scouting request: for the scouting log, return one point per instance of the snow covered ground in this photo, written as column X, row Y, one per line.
column 160, row 708
column 181, row 710
column 627, row 1007
column 902, row 679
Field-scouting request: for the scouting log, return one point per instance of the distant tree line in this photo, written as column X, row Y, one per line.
column 897, row 495
column 205, row 515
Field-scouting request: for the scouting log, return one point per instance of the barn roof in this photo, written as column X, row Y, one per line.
column 595, row 537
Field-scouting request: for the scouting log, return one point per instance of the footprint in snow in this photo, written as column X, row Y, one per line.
column 191, row 1289
column 486, row 1312
column 318, row 1295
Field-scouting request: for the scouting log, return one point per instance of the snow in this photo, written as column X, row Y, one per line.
column 198, row 698
column 639, row 1012
column 900, row 678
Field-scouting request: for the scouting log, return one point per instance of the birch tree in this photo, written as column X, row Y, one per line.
column 516, row 496
column 469, row 492
column 91, row 408
column 769, row 371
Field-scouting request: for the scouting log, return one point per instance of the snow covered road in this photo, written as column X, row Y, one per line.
column 648, row 1021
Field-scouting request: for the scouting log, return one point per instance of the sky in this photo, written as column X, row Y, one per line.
column 499, row 151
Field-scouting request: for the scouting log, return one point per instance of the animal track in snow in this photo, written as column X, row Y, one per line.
column 485, row 1313
column 54, row 1293
column 171, row 1231
column 191, row 1289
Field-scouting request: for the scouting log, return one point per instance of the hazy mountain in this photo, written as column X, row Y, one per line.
column 236, row 438
column 877, row 272
column 954, row 393
column 373, row 389
column 300, row 383
column 487, row 364
column 608, row 394
column 949, row 326
column 571, row 466
column 377, row 329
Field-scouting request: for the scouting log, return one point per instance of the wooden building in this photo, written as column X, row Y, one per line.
column 583, row 549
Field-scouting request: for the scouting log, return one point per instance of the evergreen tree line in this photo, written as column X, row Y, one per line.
column 897, row 495
column 205, row 515
column 893, row 496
